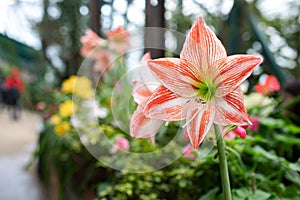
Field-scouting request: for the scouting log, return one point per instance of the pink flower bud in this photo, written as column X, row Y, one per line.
column 240, row 131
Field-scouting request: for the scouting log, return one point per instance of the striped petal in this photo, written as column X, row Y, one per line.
column 202, row 47
column 147, row 76
column 233, row 71
column 143, row 127
column 176, row 74
column 140, row 92
column 230, row 109
column 166, row 105
column 199, row 121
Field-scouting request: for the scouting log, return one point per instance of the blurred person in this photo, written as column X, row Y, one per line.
column 14, row 87
column 2, row 91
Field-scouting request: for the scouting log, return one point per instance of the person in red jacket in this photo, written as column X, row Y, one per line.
column 14, row 80
column 14, row 87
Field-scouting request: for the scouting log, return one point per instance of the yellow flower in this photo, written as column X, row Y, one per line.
column 80, row 86
column 68, row 85
column 62, row 128
column 83, row 88
column 55, row 120
column 67, row 108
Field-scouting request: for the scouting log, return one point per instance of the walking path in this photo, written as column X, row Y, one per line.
column 18, row 140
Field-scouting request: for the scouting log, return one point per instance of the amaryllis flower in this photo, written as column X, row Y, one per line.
column 202, row 86
column 140, row 125
column 270, row 84
column 118, row 40
column 90, row 41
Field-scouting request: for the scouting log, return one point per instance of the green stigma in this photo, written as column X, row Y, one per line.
column 206, row 90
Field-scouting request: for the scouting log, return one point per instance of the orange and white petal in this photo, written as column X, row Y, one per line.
column 146, row 57
column 199, row 121
column 147, row 76
column 140, row 92
column 176, row 74
column 166, row 105
column 143, row 127
column 233, row 71
column 202, row 47
column 230, row 109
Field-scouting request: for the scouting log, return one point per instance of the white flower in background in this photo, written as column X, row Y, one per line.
column 101, row 112
column 75, row 122
column 95, row 109
column 256, row 100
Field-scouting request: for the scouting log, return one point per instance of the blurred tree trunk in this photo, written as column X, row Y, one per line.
column 95, row 14
column 237, row 25
column 44, row 40
column 60, row 35
column 154, row 37
column 73, row 18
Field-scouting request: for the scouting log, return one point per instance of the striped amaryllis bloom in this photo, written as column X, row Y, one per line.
column 202, row 86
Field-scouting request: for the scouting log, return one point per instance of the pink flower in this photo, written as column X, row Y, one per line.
column 255, row 123
column 120, row 144
column 140, row 125
column 202, row 86
column 230, row 135
column 240, row 131
column 40, row 106
column 119, row 40
column 187, row 152
column 103, row 61
column 90, row 41
column 269, row 85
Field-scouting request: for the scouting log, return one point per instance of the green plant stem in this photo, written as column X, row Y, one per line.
column 223, row 164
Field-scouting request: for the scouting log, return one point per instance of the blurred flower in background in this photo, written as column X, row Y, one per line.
column 120, row 144
column 268, row 86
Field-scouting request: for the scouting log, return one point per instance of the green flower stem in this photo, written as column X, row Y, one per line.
column 223, row 164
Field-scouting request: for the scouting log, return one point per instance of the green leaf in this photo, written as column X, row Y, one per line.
column 295, row 166
column 183, row 183
column 245, row 194
column 261, row 195
column 210, row 195
column 287, row 139
column 293, row 128
column 271, row 122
